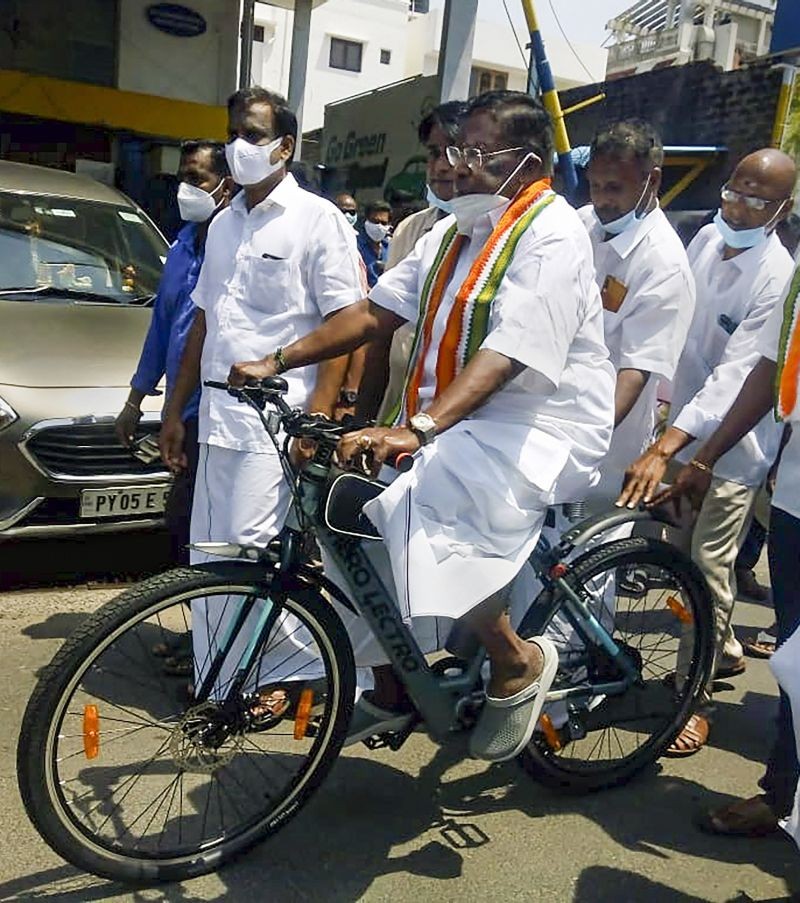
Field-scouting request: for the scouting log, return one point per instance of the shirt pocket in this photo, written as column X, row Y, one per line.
column 269, row 284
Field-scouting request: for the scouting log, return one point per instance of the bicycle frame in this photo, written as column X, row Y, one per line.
column 436, row 697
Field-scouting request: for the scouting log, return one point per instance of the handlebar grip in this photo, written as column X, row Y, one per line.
column 403, row 462
column 214, row 384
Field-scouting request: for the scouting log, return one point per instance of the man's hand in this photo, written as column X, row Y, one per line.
column 642, row 479
column 249, row 371
column 691, row 483
column 126, row 423
column 378, row 445
column 170, row 441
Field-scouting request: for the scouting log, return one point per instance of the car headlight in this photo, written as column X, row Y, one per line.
column 7, row 414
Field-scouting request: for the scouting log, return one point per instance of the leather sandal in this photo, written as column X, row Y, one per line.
column 752, row 817
column 763, row 646
column 691, row 739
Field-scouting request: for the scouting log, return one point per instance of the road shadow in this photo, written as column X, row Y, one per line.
column 745, row 727
column 601, row 884
column 56, row 627
column 347, row 837
column 112, row 558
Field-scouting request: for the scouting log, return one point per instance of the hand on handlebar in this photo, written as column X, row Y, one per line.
column 378, row 445
column 171, row 441
column 248, row 371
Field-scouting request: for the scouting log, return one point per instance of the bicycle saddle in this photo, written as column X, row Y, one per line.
column 344, row 505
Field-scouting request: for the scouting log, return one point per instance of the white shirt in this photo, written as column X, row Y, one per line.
column 787, row 486
column 470, row 511
column 647, row 267
column 734, row 299
column 270, row 276
column 545, row 315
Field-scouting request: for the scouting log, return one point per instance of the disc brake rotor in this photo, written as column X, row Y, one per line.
column 201, row 743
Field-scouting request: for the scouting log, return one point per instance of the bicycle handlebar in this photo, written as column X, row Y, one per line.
column 296, row 423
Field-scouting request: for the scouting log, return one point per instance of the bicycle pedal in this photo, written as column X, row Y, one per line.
column 392, row 740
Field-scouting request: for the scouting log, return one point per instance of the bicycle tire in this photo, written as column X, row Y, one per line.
column 46, row 805
column 543, row 763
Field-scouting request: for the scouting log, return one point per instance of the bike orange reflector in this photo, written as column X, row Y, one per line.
column 550, row 733
column 679, row 610
column 91, row 732
column 303, row 713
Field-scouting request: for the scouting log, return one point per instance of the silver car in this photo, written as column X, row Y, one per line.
column 79, row 266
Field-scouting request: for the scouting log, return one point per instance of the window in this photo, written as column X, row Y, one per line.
column 483, row 80
column 386, row 57
column 258, row 34
column 346, row 55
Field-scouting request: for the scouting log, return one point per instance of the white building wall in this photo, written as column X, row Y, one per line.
column 376, row 24
column 200, row 69
column 413, row 42
column 496, row 50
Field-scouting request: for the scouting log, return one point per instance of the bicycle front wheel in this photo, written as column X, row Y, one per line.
column 126, row 774
column 655, row 603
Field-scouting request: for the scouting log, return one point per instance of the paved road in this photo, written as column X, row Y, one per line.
column 415, row 824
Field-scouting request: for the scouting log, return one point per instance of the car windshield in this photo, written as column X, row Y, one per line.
column 91, row 251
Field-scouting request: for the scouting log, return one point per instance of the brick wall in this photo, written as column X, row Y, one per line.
column 689, row 105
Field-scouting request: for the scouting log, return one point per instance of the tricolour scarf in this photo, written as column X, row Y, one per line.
column 788, row 380
column 468, row 321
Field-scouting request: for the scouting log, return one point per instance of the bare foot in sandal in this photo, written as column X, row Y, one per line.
column 268, row 705
column 691, row 739
column 762, row 646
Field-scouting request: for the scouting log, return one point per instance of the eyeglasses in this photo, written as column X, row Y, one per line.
column 473, row 157
column 731, row 196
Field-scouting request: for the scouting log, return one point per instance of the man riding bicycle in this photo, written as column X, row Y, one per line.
column 508, row 403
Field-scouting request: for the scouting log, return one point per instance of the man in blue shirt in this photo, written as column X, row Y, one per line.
column 373, row 239
column 205, row 189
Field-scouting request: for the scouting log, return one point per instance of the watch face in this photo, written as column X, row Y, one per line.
column 348, row 396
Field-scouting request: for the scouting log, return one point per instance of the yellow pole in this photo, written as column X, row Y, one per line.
column 550, row 97
column 784, row 99
column 583, row 104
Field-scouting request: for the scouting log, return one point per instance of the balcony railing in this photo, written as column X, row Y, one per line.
column 660, row 43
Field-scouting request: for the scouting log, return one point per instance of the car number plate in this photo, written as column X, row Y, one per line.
column 124, row 502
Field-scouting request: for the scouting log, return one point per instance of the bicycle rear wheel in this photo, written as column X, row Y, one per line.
column 128, row 776
column 659, row 605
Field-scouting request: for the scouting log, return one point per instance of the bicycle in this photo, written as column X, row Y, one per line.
column 126, row 776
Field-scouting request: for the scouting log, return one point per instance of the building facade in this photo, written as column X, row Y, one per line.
column 110, row 87
column 654, row 34
column 357, row 46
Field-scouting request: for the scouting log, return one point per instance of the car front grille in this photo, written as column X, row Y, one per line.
column 89, row 450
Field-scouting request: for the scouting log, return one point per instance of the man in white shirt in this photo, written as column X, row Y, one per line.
column 772, row 381
column 645, row 282
column 508, row 405
column 278, row 262
column 740, row 269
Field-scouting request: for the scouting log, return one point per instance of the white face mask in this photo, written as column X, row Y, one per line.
column 195, row 204
column 629, row 219
column 376, row 231
column 434, row 200
column 469, row 208
column 743, row 239
column 350, row 216
column 249, row 163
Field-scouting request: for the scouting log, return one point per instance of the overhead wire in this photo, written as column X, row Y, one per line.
column 575, row 53
column 514, row 32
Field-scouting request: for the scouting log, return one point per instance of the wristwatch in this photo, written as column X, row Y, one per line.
column 424, row 426
column 347, row 398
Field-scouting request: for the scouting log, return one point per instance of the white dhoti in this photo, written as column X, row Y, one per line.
column 241, row 497
column 461, row 524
